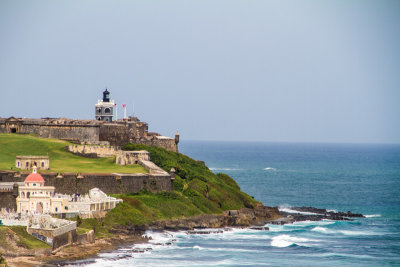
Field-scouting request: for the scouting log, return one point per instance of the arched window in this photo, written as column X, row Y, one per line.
column 27, row 164
column 107, row 110
column 42, row 164
column 99, row 110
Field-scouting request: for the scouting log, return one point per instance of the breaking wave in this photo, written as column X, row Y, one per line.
column 343, row 232
column 282, row 241
column 269, row 169
column 372, row 215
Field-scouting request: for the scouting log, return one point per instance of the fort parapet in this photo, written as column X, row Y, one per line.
column 110, row 183
column 116, row 133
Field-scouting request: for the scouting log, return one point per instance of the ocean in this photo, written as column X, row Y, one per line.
column 362, row 178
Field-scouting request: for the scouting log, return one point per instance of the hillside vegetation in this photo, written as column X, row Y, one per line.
column 197, row 190
column 12, row 145
column 13, row 238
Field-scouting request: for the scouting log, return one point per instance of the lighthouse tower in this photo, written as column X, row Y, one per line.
column 105, row 108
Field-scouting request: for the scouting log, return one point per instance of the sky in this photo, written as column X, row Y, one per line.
column 278, row 71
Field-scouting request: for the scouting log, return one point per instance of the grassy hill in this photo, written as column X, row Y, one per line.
column 12, row 145
column 197, row 190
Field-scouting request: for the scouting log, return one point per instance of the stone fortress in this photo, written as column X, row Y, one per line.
column 102, row 130
column 25, row 200
column 93, row 138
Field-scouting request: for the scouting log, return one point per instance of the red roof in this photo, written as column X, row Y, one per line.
column 34, row 177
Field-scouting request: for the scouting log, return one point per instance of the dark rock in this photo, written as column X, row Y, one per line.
column 261, row 228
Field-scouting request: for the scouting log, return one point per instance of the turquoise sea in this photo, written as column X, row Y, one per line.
column 357, row 177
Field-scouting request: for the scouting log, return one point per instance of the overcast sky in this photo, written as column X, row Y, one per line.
column 308, row 71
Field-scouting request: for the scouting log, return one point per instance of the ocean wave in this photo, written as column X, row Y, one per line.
column 298, row 226
column 287, row 208
column 282, row 241
column 269, row 169
column 343, row 232
column 323, row 230
column 372, row 215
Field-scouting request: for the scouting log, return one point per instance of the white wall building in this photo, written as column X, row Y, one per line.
column 36, row 198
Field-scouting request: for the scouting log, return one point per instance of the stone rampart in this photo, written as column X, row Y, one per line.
column 8, row 201
column 97, row 151
column 160, row 141
column 83, row 133
column 152, row 168
column 131, row 157
column 109, row 183
column 116, row 133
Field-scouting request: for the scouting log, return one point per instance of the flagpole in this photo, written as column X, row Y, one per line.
column 116, row 112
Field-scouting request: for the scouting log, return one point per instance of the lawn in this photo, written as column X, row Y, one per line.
column 25, row 239
column 12, row 145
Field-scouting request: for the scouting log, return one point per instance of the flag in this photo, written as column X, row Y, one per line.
column 123, row 105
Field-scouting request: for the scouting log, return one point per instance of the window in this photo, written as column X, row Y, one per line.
column 18, row 164
column 34, row 184
column 66, row 207
column 56, row 209
column 107, row 110
column 27, row 164
column 42, row 164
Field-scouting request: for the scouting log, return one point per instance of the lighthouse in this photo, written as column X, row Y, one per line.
column 104, row 109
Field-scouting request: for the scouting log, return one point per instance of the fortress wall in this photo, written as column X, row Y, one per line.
column 8, row 201
column 101, row 151
column 168, row 144
column 107, row 182
column 141, row 129
column 88, row 133
column 117, row 135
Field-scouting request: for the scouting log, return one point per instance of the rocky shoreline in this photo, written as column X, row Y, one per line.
column 255, row 218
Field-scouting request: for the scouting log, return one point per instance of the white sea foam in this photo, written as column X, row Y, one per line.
column 323, row 230
column 288, row 209
column 372, row 215
column 343, row 232
column 282, row 241
column 269, row 169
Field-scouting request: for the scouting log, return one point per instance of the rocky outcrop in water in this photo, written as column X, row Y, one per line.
column 258, row 216
column 314, row 214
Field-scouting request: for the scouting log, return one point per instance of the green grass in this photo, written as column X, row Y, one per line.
column 197, row 190
column 12, row 145
column 26, row 240
column 89, row 224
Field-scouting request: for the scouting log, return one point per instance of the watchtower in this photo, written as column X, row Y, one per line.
column 104, row 109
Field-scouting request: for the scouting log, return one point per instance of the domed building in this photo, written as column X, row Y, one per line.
column 36, row 198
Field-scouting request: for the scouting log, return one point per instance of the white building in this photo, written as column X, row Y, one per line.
column 96, row 200
column 36, row 198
